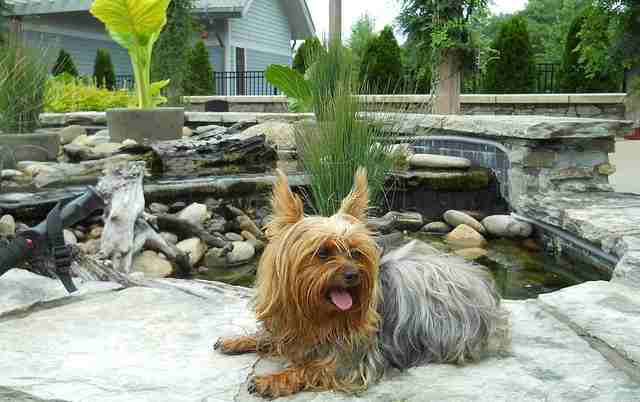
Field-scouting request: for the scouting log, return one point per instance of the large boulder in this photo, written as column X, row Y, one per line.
column 456, row 218
column 114, row 346
column 279, row 134
column 21, row 289
column 507, row 226
column 465, row 236
column 70, row 133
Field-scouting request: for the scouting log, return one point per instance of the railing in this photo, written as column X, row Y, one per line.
column 229, row 83
column 546, row 81
column 254, row 83
column 226, row 83
column 124, row 81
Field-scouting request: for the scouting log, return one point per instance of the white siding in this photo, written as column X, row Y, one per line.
column 259, row 61
column 265, row 27
column 82, row 51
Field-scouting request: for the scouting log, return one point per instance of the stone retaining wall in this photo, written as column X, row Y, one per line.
column 543, row 153
column 605, row 106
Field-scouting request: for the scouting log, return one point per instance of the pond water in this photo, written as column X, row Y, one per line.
column 520, row 273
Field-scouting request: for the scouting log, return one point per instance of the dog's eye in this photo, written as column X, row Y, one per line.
column 355, row 253
column 323, row 253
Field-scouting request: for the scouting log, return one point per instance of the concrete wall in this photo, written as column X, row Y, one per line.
column 603, row 106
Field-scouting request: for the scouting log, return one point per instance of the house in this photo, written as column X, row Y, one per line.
column 243, row 36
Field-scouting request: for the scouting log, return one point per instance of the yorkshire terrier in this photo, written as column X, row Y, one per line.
column 342, row 315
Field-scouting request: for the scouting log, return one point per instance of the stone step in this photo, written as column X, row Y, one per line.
column 605, row 313
column 156, row 344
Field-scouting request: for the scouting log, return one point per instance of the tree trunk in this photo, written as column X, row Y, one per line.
column 448, row 86
column 632, row 102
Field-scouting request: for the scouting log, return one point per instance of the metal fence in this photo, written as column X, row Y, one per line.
column 546, row 81
column 124, row 81
column 228, row 83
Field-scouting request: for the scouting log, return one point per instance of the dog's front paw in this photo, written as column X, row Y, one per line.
column 236, row 345
column 273, row 386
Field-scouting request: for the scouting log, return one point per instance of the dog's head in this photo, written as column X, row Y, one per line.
column 318, row 276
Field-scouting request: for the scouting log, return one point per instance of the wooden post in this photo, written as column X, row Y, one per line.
column 448, row 88
column 632, row 102
column 335, row 20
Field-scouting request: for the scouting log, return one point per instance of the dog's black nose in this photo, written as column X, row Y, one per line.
column 351, row 277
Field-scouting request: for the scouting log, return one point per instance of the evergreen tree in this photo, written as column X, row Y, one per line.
column 306, row 52
column 381, row 66
column 173, row 48
column 573, row 75
column 513, row 69
column 103, row 71
column 64, row 64
column 362, row 31
column 4, row 8
column 199, row 79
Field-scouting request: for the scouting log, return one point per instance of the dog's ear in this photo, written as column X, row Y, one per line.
column 357, row 202
column 287, row 207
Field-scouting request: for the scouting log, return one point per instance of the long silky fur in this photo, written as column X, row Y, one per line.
column 414, row 306
column 437, row 309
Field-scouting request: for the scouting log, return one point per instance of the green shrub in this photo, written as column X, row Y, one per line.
column 513, row 69
column 66, row 93
column 574, row 77
column 199, row 79
column 382, row 64
column 23, row 78
column 103, row 71
column 173, row 49
column 306, row 53
column 64, row 64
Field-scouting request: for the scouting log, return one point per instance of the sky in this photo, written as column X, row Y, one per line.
column 384, row 12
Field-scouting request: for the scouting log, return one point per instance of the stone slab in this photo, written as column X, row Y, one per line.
column 493, row 126
column 144, row 344
column 605, row 311
column 21, row 290
column 603, row 218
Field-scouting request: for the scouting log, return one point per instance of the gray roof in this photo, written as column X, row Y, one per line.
column 299, row 16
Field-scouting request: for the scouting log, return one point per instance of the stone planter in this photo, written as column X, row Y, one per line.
column 42, row 146
column 142, row 125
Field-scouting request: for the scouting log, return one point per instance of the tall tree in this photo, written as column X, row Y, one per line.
column 442, row 29
column 548, row 22
column 172, row 50
column 362, row 31
column 610, row 36
column 381, row 66
column 513, row 70
column 574, row 77
column 103, row 71
column 620, row 19
column 309, row 49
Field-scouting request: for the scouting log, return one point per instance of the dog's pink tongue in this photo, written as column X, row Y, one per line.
column 342, row 299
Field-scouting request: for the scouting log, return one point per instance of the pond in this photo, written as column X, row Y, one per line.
column 520, row 272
